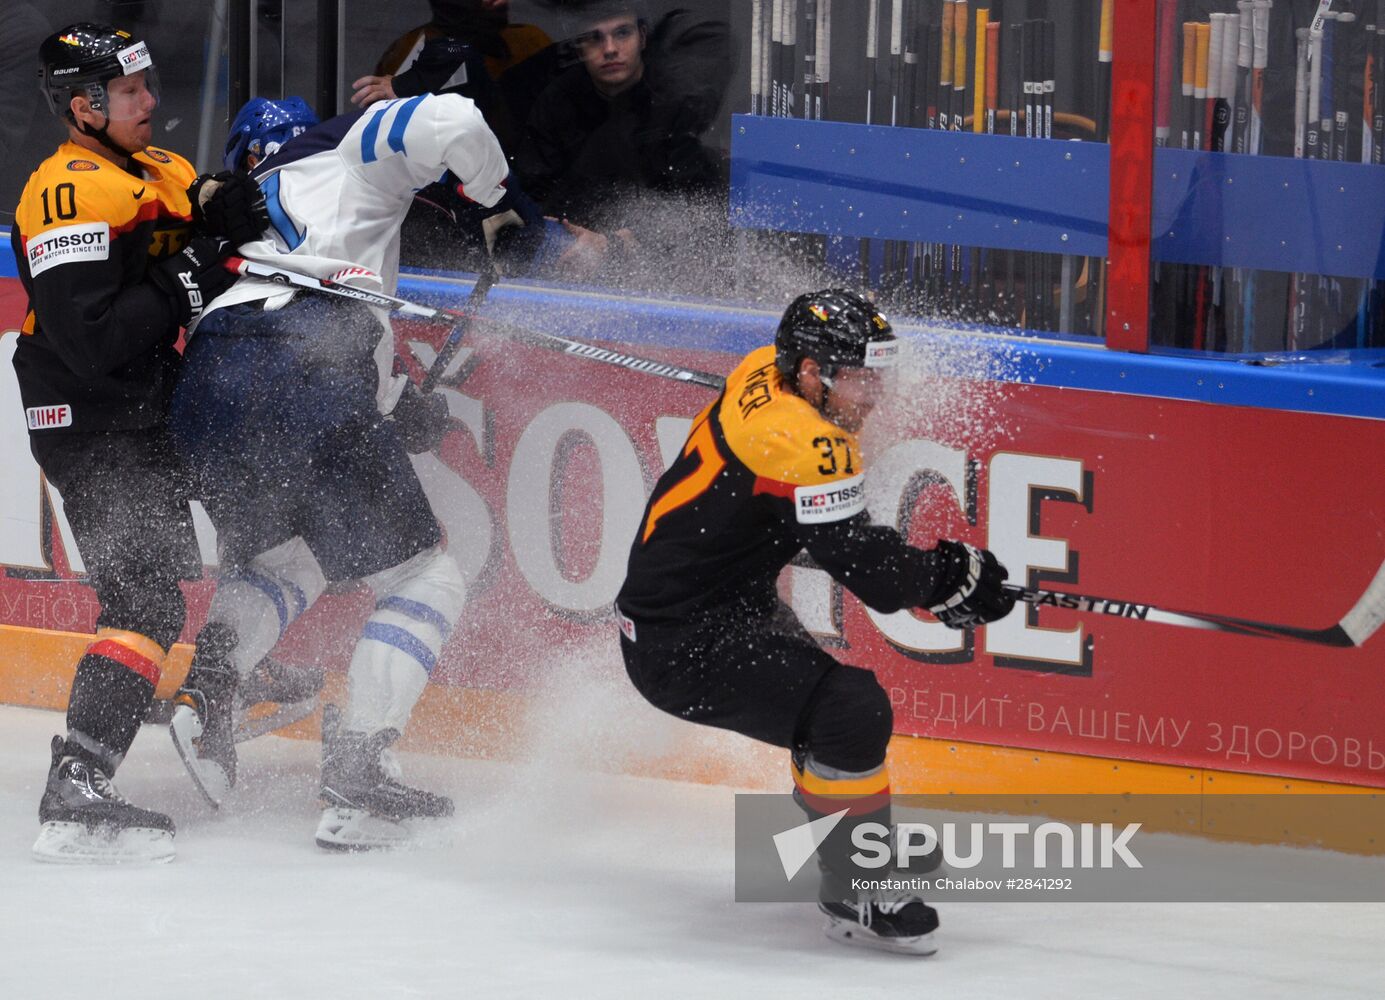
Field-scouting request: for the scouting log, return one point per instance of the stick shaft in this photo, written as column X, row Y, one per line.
column 1359, row 624
column 577, row 348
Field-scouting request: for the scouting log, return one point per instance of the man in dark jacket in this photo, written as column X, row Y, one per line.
column 627, row 119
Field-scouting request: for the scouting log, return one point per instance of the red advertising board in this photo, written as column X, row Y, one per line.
column 1264, row 514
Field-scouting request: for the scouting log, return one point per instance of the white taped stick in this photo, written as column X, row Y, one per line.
column 824, row 41
column 1316, row 28
column 1218, row 22
column 1229, row 41
column 1260, row 30
column 1300, row 92
column 1365, row 619
column 757, row 58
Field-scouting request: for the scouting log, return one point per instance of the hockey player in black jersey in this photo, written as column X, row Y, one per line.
column 771, row 468
column 118, row 247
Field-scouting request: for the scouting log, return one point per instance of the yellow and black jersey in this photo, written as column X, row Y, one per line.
column 97, row 347
column 762, row 476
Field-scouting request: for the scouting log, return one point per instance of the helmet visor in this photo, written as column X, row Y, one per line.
column 132, row 97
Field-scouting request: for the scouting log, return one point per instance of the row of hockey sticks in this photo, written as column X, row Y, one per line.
column 783, row 32
column 951, row 65
column 1224, row 62
column 791, row 47
column 1332, row 54
column 1355, row 627
column 990, row 79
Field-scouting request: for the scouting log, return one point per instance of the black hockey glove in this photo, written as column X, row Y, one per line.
column 969, row 591
column 422, row 420
column 512, row 230
column 194, row 276
column 229, row 205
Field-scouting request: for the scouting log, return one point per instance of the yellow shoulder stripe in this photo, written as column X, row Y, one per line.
column 777, row 434
column 59, row 196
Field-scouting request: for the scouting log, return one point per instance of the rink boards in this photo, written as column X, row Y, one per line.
column 1244, row 490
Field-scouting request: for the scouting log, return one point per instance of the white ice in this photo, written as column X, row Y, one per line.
column 557, row 882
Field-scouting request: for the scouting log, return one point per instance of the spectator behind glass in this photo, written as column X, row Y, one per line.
column 469, row 48
column 625, row 121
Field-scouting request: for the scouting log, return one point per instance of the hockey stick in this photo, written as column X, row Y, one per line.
column 1356, row 626
column 757, row 68
column 474, row 300
column 957, row 289
column 332, row 286
column 460, row 320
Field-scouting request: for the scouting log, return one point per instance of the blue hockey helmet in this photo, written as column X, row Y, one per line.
column 262, row 126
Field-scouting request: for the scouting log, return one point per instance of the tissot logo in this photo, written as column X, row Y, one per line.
column 882, row 354
column 833, row 501
column 88, row 241
column 134, row 58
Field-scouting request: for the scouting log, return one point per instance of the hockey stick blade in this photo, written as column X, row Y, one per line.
column 1358, row 625
column 283, row 714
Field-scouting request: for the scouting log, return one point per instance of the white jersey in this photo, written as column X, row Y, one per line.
column 338, row 193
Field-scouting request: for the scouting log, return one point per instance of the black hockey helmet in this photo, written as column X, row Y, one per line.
column 837, row 329
column 83, row 58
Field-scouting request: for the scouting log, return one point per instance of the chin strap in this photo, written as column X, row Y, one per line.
column 102, row 135
column 828, row 382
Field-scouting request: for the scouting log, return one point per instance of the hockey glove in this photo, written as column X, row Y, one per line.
column 194, row 276
column 513, row 230
column 422, row 420
column 229, row 205
column 969, row 591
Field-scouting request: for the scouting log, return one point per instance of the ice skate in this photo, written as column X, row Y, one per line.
column 273, row 696
column 84, row 820
column 203, row 725
column 367, row 807
column 895, row 920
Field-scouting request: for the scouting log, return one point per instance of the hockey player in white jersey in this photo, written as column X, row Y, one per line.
column 287, row 412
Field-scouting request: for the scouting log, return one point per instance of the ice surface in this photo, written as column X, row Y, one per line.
column 554, row 882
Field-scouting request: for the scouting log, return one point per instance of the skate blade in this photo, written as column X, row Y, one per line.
column 210, row 778
column 852, row 933
column 357, row 830
column 62, row 843
column 283, row 714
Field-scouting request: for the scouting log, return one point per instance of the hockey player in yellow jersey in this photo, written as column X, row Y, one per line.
column 115, row 258
column 770, row 468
